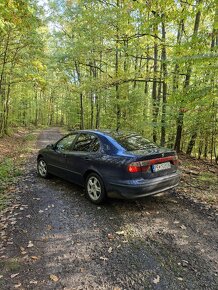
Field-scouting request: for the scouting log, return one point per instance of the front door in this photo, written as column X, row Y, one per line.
column 57, row 159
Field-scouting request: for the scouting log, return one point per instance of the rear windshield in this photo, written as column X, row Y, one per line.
column 132, row 142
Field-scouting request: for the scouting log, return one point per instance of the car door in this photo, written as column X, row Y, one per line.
column 83, row 156
column 57, row 159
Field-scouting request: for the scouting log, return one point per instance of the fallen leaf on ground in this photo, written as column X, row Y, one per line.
column 30, row 245
column 120, row 233
column 54, row 278
column 1, row 276
column 28, row 216
column 183, row 227
column 110, row 250
column 103, row 258
column 33, row 282
column 14, row 275
column 180, row 278
column 49, row 227
column 41, row 211
column 185, row 236
column 17, row 285
column 34, row 257
column 184, row 263
column 156, row 280
column 110, row 236
column 9, row 243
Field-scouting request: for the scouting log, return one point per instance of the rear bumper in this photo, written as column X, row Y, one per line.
column 131, row 189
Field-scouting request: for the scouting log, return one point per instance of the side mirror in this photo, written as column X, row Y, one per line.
column 51, row 146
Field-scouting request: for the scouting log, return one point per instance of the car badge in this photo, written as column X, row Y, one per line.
column 162, row 154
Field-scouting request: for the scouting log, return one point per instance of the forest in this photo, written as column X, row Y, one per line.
column 143, row 66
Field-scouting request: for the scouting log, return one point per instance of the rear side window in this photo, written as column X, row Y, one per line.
column 87, row 143
column 132, row 142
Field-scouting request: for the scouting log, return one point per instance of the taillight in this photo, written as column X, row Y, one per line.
column 142, row 166
column 138, row 166
column 134, row 167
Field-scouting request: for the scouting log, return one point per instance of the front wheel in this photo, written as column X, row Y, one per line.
column 94, row 188
column 42, row 168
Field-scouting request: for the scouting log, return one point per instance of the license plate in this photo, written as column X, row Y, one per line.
column 161, row 166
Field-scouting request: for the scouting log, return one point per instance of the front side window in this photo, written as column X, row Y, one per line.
column 87, row 143
column 66, row 143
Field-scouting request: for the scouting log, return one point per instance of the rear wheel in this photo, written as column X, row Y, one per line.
column 42, row 168
column 94, row 188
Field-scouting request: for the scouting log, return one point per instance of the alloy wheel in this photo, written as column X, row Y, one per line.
column 42, row 168
column 94, row 188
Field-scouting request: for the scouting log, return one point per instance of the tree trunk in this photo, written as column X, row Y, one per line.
column 164, row 96
column 179, row 131
column 36, row 104
column 200, row 147
column 80, row 97
column 81, row 112
column 2, row 92
column 191, row 143
column 118, row 107
column 186, row 86
column 154, row 94
column 92, row 110
column 206, row 147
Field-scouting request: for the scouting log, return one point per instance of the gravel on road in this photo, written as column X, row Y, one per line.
column 53, row 238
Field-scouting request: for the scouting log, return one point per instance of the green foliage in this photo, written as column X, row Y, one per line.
column 8, row 171
column 208, row 177
column 92, row 64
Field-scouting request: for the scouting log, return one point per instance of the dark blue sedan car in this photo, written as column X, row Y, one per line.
column 110, row 164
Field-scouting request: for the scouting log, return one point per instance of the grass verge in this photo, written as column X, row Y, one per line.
column 199, row 180
column 12, row 160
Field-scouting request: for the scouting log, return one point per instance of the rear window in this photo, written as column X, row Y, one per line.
column 132, row 142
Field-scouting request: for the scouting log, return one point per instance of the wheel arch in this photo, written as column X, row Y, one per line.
column 93, row 170
column 39, row 156
column 89, row 171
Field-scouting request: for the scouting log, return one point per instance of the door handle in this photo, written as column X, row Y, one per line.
column 87, row 158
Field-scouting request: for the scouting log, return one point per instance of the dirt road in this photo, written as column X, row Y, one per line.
column 160, row 242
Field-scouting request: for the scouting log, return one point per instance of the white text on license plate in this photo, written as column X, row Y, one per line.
column 161, row 166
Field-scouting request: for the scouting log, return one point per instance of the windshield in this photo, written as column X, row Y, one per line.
column 132, row 142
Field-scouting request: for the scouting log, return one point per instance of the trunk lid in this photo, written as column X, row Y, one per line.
column 156, row 162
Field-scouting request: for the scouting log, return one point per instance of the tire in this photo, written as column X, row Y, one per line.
column 42, row 168
column 94, row 189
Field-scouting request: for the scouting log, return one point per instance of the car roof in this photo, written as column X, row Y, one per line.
column 104, row 132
